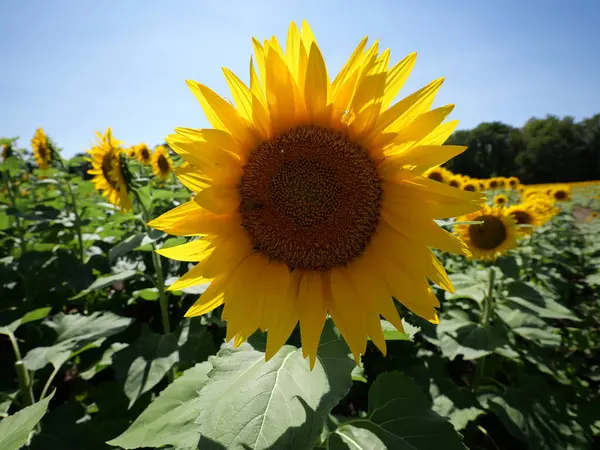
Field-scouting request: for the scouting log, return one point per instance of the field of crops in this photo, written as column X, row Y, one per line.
column 96, row 353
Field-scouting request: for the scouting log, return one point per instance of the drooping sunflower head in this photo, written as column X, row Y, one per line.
column 42, row 150
column 161, row 162
column 526, row 217
column 311, row 197
column 513, row 182
column 109, row 169
column 438, row 174
column 143, row 153
column 455, row 181
column 561, row 193
column 500, row 200
column 491, row 238
column 7, row 151
column 470, row 185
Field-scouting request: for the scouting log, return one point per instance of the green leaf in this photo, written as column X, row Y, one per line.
column 401, row 417
column 348, row 437
column 104, row 362
column 144, row 363
column 280, row 403
column 473, row 285
column 148, row 294
column 391, row 334
column 75, row 333
column 31, row 316
column 532, row 299
column 454, row 402
column 15, row 429
column 170, row 419
column 105, row 281
column 509, row 266
column 125, row 246
column 529, row 326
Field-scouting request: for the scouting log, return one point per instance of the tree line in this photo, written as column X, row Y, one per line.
column 542, row 151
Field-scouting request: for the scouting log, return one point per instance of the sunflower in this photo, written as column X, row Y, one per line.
column 500, row 200
column 593, row 215
column 110, row 171
column 482, row 185
column 513, row 182
column 311, row 198
column 543, row 206
column 470, row 185
column 7, row 151
column 561, row 193
column 492, row 183
column 131, row 152
column 489, row 239
column 161, row 162
column 42, row 151
column 438, row 174
column 502, row 182
column 143, row 154
column 455, row 181
column 525, row 214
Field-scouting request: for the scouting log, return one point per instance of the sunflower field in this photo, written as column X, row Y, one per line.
column 306, row 274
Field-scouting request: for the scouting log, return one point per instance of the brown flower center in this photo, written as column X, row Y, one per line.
column 521, row 217
column 488, row 235
column 108, row 162
column 145, row 154
column 560, row 195
column 435, row 176
column 163, row 164
column 310, row 198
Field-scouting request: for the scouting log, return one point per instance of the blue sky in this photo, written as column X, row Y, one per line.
column 77, row 67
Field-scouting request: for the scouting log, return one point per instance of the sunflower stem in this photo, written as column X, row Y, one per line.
column 73, row 204
column 160, row 281
column 13, row 203
column 486, row 315
column 25, row 385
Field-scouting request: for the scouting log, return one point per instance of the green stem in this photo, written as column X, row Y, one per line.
column 160, row 281
column 486, row 315
column 22, row 373
column 13, row 204
column 75, row 212
column 49, row 382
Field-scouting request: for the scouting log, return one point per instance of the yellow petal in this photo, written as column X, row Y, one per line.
column 190, row 219
column 424, row 124
column 280, row 92
column 396, row 78
column 282, row 317
column 440, row 134
column 418, row 158
column 204, row 305
column 313, row 312
column 316, row 87
column 192, row 178
column 349, row 67
column 218, row 199
column 292, row 49
column 192, row 251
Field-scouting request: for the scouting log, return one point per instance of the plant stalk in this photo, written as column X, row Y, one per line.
column 22, row 373
column 486, row 315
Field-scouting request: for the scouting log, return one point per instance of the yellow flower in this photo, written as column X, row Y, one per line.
column 7, row 151
column 543, row 206
column 500, row 200
column 143, row 153
column 561, row 193
column 482, row 185
column 513, row 182
column 132, row 152
column 109, row 170
column 438, row 174
column 470, row 185
column 311, row 198
column 455, row 181
column 492, row 183
column 42, row 152
column 488, row 240
column 161, row 162
column 525, row 214
column 593, row 215
column 502, row 182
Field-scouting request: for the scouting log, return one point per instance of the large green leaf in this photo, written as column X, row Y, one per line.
column 144, row 363
column 125, row 246
column 280, row 403
column 170, row 419
column 348, row 437
column 31, row 316
column 456, row 403
column 535, row 300
column 105, row 281
column 15, row 429
column 401, row 417
column 75, row 333
column 529, row 326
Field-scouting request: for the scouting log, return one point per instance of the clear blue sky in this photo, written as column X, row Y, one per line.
column 74, row 67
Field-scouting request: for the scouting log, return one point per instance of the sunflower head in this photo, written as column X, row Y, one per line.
column 502, row 182
column 161, row 162
column 561, row 193
column 143, row 153
column 109, row 169
column 491, row 238
column 526, row 214
column 455, row 181
column 593, row 215
column 316, row 189
column 438, row 174
column 500, row 200
column 7, row 151
column 470, row 185
column 482, row 185
column 492, row 183
column 513, row 182
column 42, row 149
column 131, row 152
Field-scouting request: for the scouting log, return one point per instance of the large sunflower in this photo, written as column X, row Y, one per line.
column 143, row 153
column 161, row 162
column 42, row 151
column 489, row 239
column 311, row 198
column 525, row 214
column 109, row 170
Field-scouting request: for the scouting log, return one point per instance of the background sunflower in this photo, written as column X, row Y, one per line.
column 42, row 151
column 161, row 162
